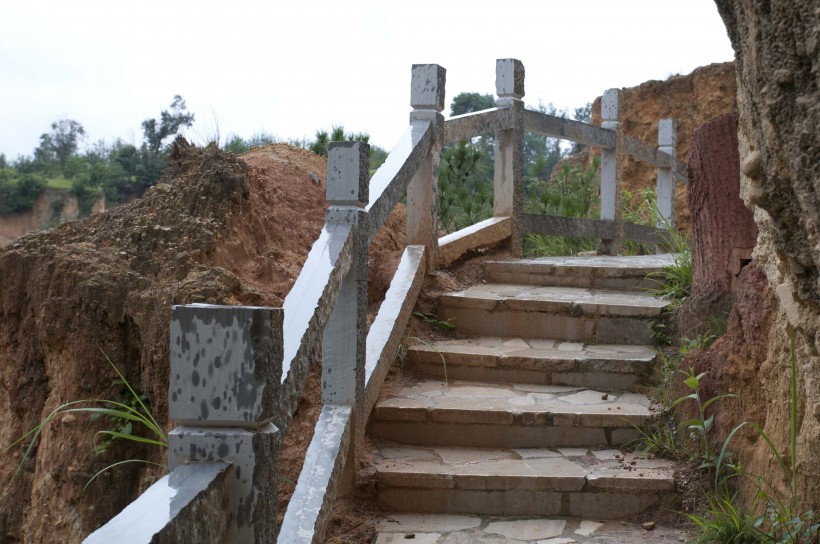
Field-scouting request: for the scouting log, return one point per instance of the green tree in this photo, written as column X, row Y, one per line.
column 155, row 133
column 19, row 192
column 337, row 134
column 471, row 102
column 60, row 144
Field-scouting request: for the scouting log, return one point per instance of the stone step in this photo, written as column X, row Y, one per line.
column 598, row 484
column 503, row 415
column 539, row 361
column 570, row 313
column 398, row 528
column 599, row 272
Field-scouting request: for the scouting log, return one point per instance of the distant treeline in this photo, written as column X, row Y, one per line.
column 122, row 170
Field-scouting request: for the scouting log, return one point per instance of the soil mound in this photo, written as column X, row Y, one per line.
column 218, row 229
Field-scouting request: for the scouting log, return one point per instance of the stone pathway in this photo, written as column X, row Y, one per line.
column 466, row 529
column 514, row 435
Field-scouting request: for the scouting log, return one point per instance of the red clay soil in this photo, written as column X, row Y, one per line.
column 216, row 229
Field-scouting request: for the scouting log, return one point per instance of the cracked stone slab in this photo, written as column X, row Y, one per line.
column 602, row 272
column 546, row 469
column 535, row 361
column 527, row 529
column 450, row 529
column 491, row 403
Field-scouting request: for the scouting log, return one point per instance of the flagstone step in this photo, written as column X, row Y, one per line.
column 598, row 483
column 505, row 415
column 398, row 528
column 597, row 272
column 570, row 313
column 540, row 361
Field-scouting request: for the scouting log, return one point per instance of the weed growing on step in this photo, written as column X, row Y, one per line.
column 123, row 416
column 432, row 319
column 440, row 354
column 674, row 282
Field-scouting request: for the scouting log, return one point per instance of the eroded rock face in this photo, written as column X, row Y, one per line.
column 723, row 232
column 777, row 46
column 216, row 229
column 690, row 100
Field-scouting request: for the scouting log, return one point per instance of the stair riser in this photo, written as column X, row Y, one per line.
column 426, row 433
column 563, row 279
column 596, row 380
column 545, row 325
column 589, row 505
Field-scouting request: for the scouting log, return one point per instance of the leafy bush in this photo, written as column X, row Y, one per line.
column 19, row 192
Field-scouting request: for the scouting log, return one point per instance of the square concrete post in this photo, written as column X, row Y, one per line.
column 427, row 100
column 508, row 181
column 665, row 191
column 226, row 367
column 344, row 340
column 611, row 173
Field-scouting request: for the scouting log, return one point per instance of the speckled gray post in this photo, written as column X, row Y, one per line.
column 665, row 193
column 344, row 340
column 226, row 365
column 611, row 172
column 254, row 454
column 427, row 99
column 508, row 190
column 344, row 335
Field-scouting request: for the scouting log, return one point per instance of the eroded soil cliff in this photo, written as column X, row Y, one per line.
column 217, row 229
column 690, row 100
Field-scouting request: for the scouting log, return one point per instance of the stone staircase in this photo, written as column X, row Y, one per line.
column 537, row 401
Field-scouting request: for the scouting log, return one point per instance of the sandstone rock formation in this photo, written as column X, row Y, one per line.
column 690, row 100
column 777, row 46
column 723, row 231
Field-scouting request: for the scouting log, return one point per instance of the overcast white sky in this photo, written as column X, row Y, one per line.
column 290, row 68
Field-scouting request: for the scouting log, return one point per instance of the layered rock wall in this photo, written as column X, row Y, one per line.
column 777, row 46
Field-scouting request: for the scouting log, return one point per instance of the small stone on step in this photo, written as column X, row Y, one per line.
column 604, row 396
column 649, row 525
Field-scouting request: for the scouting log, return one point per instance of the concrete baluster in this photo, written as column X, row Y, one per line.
column 665, row 192
column 427, row 100
column 343, row 344
column 226, row 366
column 611, row 173
column 508, row 184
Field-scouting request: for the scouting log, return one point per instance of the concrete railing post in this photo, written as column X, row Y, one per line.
column 226, row 366
column 665, row 192
column 508, row 181
column 611, row 173
column 427, row 100
column 343, row 344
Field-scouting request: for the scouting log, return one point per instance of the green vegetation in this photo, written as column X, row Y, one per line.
column 118, row 171
column 122, row 415
column 432, row 319
column 770, row 518
column 466, row 168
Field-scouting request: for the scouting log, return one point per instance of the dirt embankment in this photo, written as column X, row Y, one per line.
column 216, row 229
column 690, row 100
column 52, row 207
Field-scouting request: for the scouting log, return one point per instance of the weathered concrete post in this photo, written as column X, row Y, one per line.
column 427, row 100
column 665, row 191
column 508, row 184
column 343, row 344
column 611, row 173
column 226, row 366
